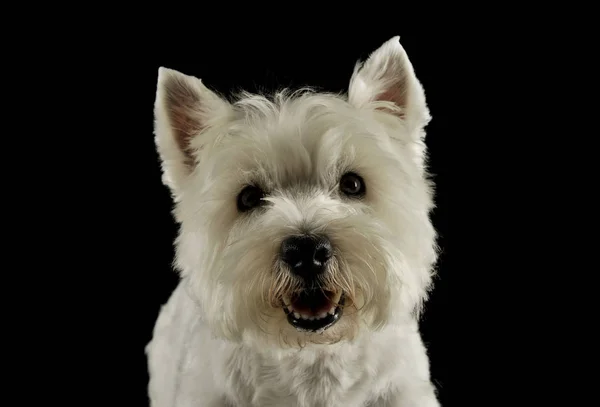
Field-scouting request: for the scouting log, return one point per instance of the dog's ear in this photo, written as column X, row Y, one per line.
column 183, row 108
column 388, row 76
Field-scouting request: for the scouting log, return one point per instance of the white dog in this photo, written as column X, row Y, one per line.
column 305, row 248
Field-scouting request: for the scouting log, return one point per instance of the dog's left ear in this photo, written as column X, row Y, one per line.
column 183, row 109
column 388, row 76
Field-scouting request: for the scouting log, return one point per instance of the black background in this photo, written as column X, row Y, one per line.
column 85, row 81
column 451, row 69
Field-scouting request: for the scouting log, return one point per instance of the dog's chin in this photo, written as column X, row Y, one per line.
column 314, row 310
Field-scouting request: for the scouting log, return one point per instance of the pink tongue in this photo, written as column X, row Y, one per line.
column 313, row 304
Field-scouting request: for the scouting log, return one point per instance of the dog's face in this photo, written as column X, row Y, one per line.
column 305, row 218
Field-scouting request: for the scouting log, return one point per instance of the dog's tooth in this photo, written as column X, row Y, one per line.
column 287, row 301
column 336, row 297
column 331, row 311
column 296, row 315
column 311, row 318
column 322, row 315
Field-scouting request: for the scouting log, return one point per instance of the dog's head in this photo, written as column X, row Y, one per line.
column 304, row 217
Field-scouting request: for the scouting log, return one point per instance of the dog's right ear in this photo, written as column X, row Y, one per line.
column 183, row 109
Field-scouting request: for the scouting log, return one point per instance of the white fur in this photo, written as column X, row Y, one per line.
column 222, row 339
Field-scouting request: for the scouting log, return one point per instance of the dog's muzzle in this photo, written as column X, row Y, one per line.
column 314, row 309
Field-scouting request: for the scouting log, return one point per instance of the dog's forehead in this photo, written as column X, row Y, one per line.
column 290, row 141
column 297, row 137
column 308, row 122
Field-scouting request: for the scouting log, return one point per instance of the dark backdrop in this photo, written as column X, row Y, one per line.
column 449, row 73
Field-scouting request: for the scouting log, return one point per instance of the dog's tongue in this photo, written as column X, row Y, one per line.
column 312, row 302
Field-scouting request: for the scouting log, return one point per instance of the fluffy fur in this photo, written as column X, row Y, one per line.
column 223, row 338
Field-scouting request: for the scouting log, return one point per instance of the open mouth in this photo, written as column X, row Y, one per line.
column 314, row 310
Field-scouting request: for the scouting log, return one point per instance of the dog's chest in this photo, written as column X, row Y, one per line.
column 305, row 379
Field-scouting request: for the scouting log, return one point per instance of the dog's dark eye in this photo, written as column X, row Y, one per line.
column 250, row 197
column 352, row 184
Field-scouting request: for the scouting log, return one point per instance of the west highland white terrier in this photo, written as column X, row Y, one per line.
column 305, row 249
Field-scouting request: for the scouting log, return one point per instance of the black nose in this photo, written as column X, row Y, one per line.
column 306, row 255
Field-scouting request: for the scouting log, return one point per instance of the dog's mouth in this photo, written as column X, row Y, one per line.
column 314, row 310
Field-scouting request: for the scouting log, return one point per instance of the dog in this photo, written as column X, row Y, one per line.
column 305, row 247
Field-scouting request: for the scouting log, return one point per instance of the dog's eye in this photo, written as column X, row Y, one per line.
column 250, row 197
column 352, row 184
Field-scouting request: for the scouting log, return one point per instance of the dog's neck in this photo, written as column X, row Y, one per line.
column 310, row 351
